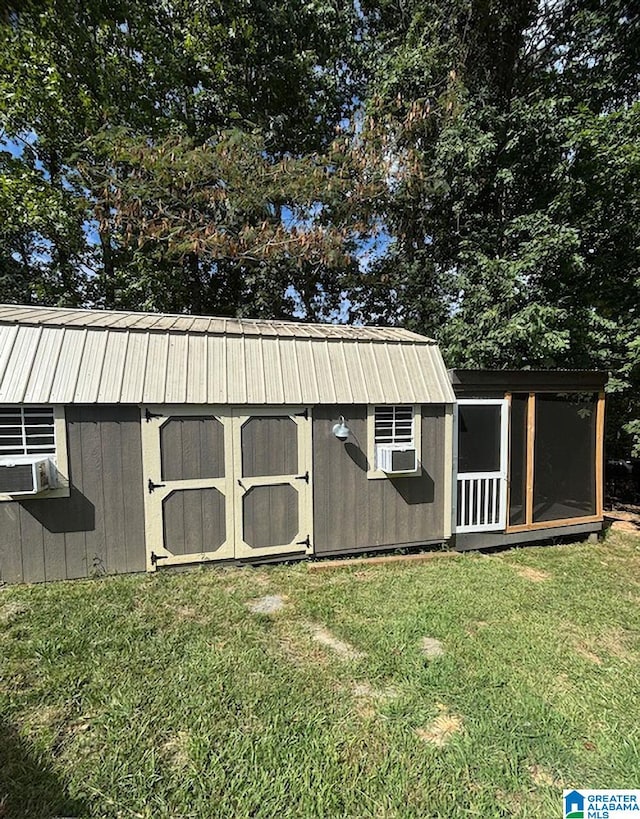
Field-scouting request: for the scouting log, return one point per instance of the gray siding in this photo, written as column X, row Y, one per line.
column 192, row 447
column 194, row 521
column 270, row 515
column 352, row 512
column 269, row 446
column 100, row 527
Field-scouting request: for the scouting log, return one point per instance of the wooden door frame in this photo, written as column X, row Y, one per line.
column 301, row 416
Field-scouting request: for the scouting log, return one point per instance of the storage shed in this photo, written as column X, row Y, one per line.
column 130, row 441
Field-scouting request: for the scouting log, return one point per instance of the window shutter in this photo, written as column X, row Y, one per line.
column 27, row 431
column 394, row 425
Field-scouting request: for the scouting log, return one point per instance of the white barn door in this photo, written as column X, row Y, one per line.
column 481, row 437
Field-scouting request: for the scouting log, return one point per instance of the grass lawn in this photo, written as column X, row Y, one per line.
column 165, row 696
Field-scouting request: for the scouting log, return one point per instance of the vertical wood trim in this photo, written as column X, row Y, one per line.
column 600, row 409
column 239, row 486
column 449, row 467
column 307, row 440
column 151, row 469
column 531, row 436
column 454, row 473
column 232, row 469
column 371, row 435
column 504, row 462
column 507, row 397
column 60, row 438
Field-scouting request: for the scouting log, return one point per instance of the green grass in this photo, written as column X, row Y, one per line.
column 164, row 696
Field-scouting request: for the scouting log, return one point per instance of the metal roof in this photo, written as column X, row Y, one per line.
column 59, row 356
column 466, row 381
column 163, row 322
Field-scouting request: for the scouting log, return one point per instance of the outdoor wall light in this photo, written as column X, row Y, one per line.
column 341, row 430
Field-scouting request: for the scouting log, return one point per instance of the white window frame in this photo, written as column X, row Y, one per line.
column 60, row 458
column 376, row 474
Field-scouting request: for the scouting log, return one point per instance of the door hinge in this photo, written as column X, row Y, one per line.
column 304, row 477
column 306, row 542
column 151, row 486
column 155, row 558
column 303, row 414
column 149, row 415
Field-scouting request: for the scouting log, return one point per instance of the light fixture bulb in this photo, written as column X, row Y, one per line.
column 341, row 430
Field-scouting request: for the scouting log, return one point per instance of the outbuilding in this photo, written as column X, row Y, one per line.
column 133, row 441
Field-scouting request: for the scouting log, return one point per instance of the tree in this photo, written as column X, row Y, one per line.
column 242, row 157
column 282, row 242
column 37, row 219
column 514, row 239
column 169, row 70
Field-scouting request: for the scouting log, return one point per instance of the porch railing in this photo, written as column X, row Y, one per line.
column 480, row 502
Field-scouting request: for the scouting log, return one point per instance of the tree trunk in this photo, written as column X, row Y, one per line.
column 108, row 271
column 195, row 283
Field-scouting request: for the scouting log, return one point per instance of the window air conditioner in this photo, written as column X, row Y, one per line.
column 396, row 458
column 26, row 474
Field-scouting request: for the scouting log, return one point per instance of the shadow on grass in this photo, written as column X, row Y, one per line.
column 29, row 788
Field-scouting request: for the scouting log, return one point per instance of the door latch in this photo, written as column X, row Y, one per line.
column 151, row 486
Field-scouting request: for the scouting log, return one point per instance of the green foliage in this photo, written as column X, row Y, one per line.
column 41, row 239
column 521, row 216
column 167, row 72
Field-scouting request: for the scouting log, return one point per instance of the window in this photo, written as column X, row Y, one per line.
column 396, row 426
column 36, row 431
column 27, row 431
